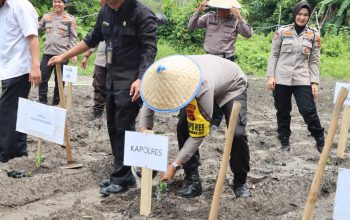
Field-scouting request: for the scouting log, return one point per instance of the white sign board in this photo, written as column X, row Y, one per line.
column 146, row 150
column 70, row 74
column 43, row 121
column 342, row 197
column 337, row 89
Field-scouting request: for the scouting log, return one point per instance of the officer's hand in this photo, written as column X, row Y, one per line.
column 169, row 174
column 203, row 6
column 35, row 76
column 135, row 90
column 74, row 60
column 314, row 88
column 271, row 83
column 235, row 12
column 83, row 63
column 55, row 60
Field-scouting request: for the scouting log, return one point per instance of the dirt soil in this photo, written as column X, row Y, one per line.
column 279, row 182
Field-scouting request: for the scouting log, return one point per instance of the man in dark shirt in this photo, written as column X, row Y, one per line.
column 129, row 30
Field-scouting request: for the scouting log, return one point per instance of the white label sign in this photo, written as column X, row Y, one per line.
column 342, row 196
column 146, row 150
column 70, row 74
column 337, row 89
column 43, row 121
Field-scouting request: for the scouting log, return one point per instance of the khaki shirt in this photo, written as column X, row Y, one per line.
column 221, row 32
column 226, row 84
column 61, row 34
column 294, row 60
column 100, row 59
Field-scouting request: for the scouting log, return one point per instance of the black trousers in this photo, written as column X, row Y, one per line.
column 45, row 77
column 12, row 143
column 218, row 114
column 239, row 161
column 99, row 84
column 306, row 105
column 121, row 115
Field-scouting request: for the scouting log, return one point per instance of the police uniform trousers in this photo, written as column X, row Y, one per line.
column 12, row 143
column 121, row 116
column 99, row 84
column 306, row 105
column 218, row 113
column 45, row 77
column 239, row 161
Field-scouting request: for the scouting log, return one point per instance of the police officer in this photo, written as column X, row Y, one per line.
column 99, row 76
column 293, row 69
column 222, row 28
column 181, row 87
column 60, row 28
column 129, row 30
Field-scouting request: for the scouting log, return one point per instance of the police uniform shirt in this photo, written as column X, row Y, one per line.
column 18, row 20
column 227, row 83
column 60, row 31
column 294, row 59
column 221, row 33
column 100, row 59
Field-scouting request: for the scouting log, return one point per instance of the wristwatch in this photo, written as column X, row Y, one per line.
column 176, row 166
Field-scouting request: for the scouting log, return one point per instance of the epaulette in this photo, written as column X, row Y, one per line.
column 288, row 26
column 211, row 12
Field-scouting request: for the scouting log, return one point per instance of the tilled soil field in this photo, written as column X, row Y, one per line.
column 279, row 182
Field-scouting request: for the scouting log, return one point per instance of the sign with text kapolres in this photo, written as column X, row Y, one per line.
column 337, row 89
column 146, row 150
column 43, row 121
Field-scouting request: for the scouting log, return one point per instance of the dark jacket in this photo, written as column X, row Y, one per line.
column 131, row 32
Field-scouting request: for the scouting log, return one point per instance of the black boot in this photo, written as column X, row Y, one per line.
column 55, row 100
column 284, row 143
column 192, row 185
column 319, row 143
column 43, row 99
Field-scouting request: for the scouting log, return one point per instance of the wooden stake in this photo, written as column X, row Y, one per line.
column 225, row 159
column 146, row 188
column 315, row 186
column 344, row 131
column 69, row 96
column 62, row 105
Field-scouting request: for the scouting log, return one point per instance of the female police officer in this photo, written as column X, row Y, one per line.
column 293, row 68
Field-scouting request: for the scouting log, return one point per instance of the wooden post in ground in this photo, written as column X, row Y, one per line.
column 225, row 159
column 146, row 188
column 344, row 132
column 316, row 182
column 69, row 96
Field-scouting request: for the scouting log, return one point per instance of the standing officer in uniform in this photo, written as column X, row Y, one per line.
column 189, row 83
column 19, row 68
column 100, row 73
column 130, row 31
column 99, row 82
column 61, row 35
column 293, row 69
column 222, row 28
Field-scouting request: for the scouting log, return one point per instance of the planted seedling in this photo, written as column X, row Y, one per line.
column 161, row 190
column 38, row 160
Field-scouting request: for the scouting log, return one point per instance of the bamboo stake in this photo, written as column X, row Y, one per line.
column 344, row 131
column 225, row 159
column 315, row 186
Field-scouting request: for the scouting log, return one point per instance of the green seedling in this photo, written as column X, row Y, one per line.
column 163, row 187
column 39, row 160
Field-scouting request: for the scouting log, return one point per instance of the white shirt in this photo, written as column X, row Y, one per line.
column 18, row 20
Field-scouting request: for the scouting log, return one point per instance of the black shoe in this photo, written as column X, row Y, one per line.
column 319, row 143
column 242, row 191
column 191, row 188
column 105, row 183
column 56, row 101
column 113, row 188
column 284, row 144
column 98, row 113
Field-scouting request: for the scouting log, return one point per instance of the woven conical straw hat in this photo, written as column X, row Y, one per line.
column 224, row 4
column 170, row 83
